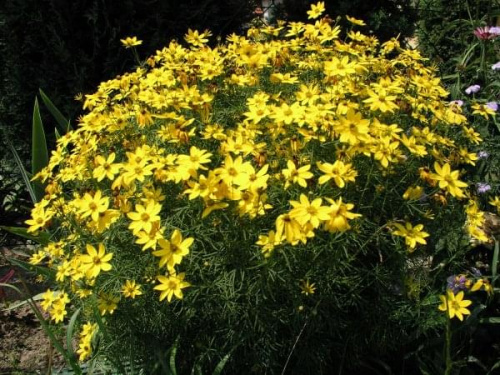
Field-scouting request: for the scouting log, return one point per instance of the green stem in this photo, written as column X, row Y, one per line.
column 482, row 65
column 136, row 56
column 449, row 362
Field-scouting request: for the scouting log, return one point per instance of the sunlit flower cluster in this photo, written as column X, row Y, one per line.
column 277, row 127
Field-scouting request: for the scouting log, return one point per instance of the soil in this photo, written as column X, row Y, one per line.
column 24, row 346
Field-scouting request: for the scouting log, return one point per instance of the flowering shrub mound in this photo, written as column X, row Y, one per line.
column 279, row 188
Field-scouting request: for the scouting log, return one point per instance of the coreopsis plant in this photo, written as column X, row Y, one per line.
column 237, row 197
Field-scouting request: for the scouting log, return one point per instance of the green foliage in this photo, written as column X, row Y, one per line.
column 445, row 29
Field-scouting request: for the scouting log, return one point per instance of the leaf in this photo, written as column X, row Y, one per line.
column 196, row 370
column 494, row 263
column 69, row 333
column 221, row 364
column 173, row 352
column 64, row 124
column 42, row 238
column 494, row 367
column 490, row 320
column 38, row 297
column 39, row 152
column 24, row 173
column 50, row 274
column 4, row 285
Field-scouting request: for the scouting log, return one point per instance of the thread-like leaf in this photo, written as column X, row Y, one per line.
column 39, row 152
column 62, row 122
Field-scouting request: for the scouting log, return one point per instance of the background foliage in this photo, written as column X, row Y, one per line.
column 384, row 18
column 66, row 48
column 445, row 28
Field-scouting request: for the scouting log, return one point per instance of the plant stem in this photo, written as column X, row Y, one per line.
column 449, row 362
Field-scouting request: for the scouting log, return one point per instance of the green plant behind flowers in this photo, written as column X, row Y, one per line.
column 269, row 198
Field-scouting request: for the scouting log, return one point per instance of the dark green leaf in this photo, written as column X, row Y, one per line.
column 42, row 238
column 69, row 333
column 64, row 124
column 24, row 173
column 221, row 364
column 39, row 152
column 47, row 272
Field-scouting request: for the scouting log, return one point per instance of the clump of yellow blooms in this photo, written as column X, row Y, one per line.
column 278, row 127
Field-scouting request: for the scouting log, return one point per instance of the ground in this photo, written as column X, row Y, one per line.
column 24, row 346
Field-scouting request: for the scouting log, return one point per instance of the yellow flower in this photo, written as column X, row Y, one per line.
column 381, row 100
column 48, row 299
column 93, row 206
column 268, row 243
column 197, row 39
column 340, row 215
column 130, row 289
column 288, row 228
column 144, row 216
column 482, row 110
column 338, row 171
column 495, row 202
column 58, row 311
column 484, row 284
column 309, row 212
column 413, row 235
column 96, row 261
column 107, row 303
column 413, row 192
column 316, row 10
column 40, row 217
column 150, row 240
column 172, row 252
column 455, row 305
column 105, row 167
column 294, row 175
column 307, row 287
column 355, row 21
column 130, row 42
column 171, row 286
column 448, row 179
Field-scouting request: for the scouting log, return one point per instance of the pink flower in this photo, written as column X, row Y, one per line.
column 496, row 66
column 487, row 32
